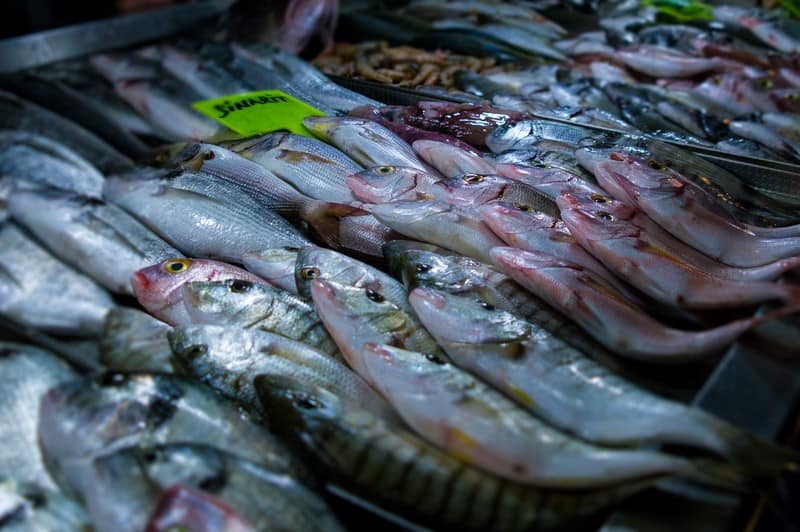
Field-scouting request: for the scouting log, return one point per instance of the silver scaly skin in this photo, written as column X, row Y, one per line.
column 134, row 341
column 28, row 507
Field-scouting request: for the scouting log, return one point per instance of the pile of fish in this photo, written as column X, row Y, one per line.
column 383, row 310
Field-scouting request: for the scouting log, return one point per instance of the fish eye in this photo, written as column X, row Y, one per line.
column 209, row 155
column 37, row 499
column 765, row 83
column 599, row 198
column 487, row 306
column 655, row 165
column 422, row 268
column 435, row 359
column 150, row 457
column 239, row 286
column 472, row 179
column 306, row 402
column 384, row 170
column 603, row 215
column 309, row 272
column 372, row 295
column 522, row 207
column 195, row 351
column 716, row 80
column 112, row 379
column 176, row 265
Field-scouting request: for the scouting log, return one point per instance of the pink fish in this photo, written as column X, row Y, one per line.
column 549, row 181
column 184, row 508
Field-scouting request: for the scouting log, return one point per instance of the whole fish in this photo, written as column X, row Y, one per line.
column 671, row 200
column 127, row 484
column 217, row 219
column 382, row 184
column 367, row 142
column 467, row 418
column 27, row 374
column 90, row 234
column 652, row 236
column 19, row 114
column 257, row 306
column 32, row 158
column 439, row 223
column 158, row 287
column 607, row 316
column 320, row 263
column 275, row 265
column 228, row 359
column 92, row 416
column 134, row 341
column 29, row 507
column 401, row 470
column 663, row 62
column 39, row 291
column 355, row 316
column 731, row 192
column 550, row 181
column 573, row 392
column 542, row 134
column 450, row 160
column 183, row 507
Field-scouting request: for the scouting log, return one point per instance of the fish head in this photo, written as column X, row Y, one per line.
column 195, row 349
column 183, row 508
column 195, row 465
column 298, row 409
column 593, row 221
column 472, row 188
column 381, row 184
column 509, row 136
column 356, row 315
column 596, row 201
column 140, row 186
column 157, row 287
column 787, row 100
column 406, row 213
column 401, row 371
column 512, row 218
column 320, row 263
column 231, row 300
column 275, row 265
column 456, row 319
column 518, row 260
column 328, row 127
column 421, row 268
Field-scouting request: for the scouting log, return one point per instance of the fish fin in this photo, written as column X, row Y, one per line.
column 324, row 218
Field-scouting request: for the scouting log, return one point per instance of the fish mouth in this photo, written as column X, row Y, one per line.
column 322, row 291
column 140, row 281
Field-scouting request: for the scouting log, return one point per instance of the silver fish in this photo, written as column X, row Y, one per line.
column 134, row 341
column 98, row 238
column 26, row 507
column 200, row 73
column 37, row 290
column 275, row 265
column 451, row 161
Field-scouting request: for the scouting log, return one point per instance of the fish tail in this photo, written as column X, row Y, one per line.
column 325, row 218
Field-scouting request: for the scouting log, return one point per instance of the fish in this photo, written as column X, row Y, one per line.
column 403, row 471
column 450, row 160
column 97, row 238
column 584, row 93
column 766, row 136
column 257, row 306
column 611, row 319
column 33, row 159
column 550, row 181
column 383, row 184
column 133, row 340
column 199, row 71
column 20, row 114
column 652, row 236
column 367, row 142
column 355, row 316
column 217, row 219
column 39, row 291
column 229, row 359
column 524, row 39
column 183, row 507
column 28, row 372
column 439, row 223
column 275, row 265
column 92, row 416
column 770, row 32
column 158, row 287
column 542, row 134
column 576, row 394
column 670, row 200
column 472, row 191
column 28, row 506
column 471, row 420
column 663, row 62
column 127, row 484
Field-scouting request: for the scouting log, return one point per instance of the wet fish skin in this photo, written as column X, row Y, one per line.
column 90, row 235
column 228, row 360
column 128, row 483
column 92, row 416
column 27, row 506
column 38, row 160
column 366, row 141
column 439, row 223
column 355, row 316
column 669, row 199
column 27, row 374
column 472, row 191
column 548, row 180
column 39, row 291
column 20, row 114
column 134, row 341
column 613, row 321
column 199, row 72
column 535, row 133
column 450, row 160
column 157, row 287
column 382, row 184
column 257, row 306
column 217, row 219
column 662, row 62
column 180, row 506
column 275, row 265
column 435, row 485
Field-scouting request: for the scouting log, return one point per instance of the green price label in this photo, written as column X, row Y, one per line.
column 792, row 6
column 254, row 113
column 682, row 10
